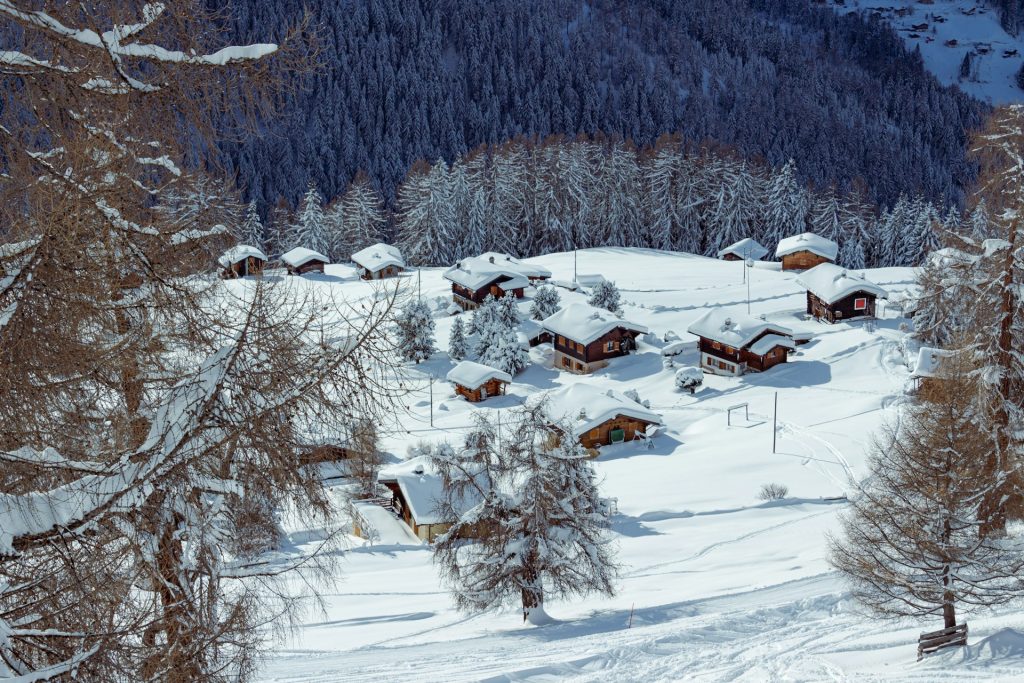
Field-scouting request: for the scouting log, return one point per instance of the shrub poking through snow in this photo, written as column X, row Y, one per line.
column 606, row 295
column 689, row 378
column 541, row 530
column 545, row 303
column 415, row 329
column 773, row 491
column 458, row 345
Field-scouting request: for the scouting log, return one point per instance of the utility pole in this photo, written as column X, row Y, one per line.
column 419, row 285
column 748, row 264
column 775, row 422
column 574, row 275
column 431, row 400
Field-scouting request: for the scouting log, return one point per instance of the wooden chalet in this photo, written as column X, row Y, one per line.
column 477, row 382
column 473, row 279
column 835, row 294
column 585, row 337
column 731, row 344
column 532, row 271
column 242, row 260
column 805, row 250
column 300, row 261
column 416, row 492
column 600, row 418
column 378, row 261
column 746, row 248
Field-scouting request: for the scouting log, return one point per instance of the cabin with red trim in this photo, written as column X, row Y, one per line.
column 585, row 338
column 806, row 250
column 241, row 261
column 835, row 294
column 731, row 343
column 300, row 261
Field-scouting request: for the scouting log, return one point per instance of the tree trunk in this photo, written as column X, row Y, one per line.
column 532, row 595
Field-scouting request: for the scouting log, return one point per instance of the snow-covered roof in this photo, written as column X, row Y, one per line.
column 745, row 248
column 300, row 256
column 474, row 375
column 929, row 361
column 584, row 407
column 584, row 323
column 830, row 283
column 476, row 273
column 590, row 279
column 807, row 241
column 733, row 329
column 531, row 270
column 422, row 490
column 378, row 256
column 240, row 252
column 769, row 342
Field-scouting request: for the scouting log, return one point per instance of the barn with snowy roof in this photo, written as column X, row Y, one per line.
column 834, row 294
column 599, row 417
column 378, row 261
column 301, row 260
column 477, row 382
column 747, row 248
column 805, row 250
column 732, row 343
column 242, row 260
column 473, row 279
column 585, row 337
column 417, row 494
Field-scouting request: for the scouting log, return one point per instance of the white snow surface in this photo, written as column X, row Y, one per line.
column 476, row 272
column 972, row 25
column 378, row 256
column 531, row 270
column 746, row 248
column 300, row 256
column 240, row 252
column 734, row 329
column 584, row 323
column 473, row 375
column 929, row 361
column 716, row 585
column 830, row 283
column 585, row 406
column 807, row 241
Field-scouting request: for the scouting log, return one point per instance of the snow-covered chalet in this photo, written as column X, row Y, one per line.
column 473, row 279
column 301, row 260
column 600, row 417
column 805, row 250
column 746, row 248
column 242, row 260
column 378, row 261
column 477, row 382
column 834, row 294
column 731, row 343
column 585, row 337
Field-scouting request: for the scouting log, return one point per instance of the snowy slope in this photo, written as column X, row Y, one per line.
column 716, row 584
column 973, row 25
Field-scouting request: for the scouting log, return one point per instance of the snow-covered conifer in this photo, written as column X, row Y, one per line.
column 786, row 205
column 546, row 303
column 414, row 328
column 851, row 254
column 502, row 349
column 539, row 529
column 251, row 231
column 826, row 216
column 607, row 296
column 310, row 227
column 458, row 345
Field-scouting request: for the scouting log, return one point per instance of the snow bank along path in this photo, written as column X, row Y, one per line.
column 717, row 585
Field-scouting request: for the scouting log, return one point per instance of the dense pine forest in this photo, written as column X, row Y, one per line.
column 408, row 80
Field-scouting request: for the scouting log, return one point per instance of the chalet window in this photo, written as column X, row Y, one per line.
column 561, row 340
column 566, row 363
column 579, row 366
column 609, row 347
column 716, row 345
column 860, row 304
column 839, row 314
column 729, row 349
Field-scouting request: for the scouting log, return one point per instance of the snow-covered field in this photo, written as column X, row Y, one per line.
column 974, row 26
column 716, row 585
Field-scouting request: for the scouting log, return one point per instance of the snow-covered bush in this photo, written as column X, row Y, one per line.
column 606, row 295
column 773, row 491
column 688, row 378
column 500, row 348
column 458, row 345
column 545, row 303
column 414, row 327
column 634, row 395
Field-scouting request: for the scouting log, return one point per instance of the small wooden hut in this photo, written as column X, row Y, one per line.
column 600, row 418
column 300, row 261
column 477, row 382
column 805, row 250
column 378, row 261
column 835, row 294
column 242, row 260
column 746, row 248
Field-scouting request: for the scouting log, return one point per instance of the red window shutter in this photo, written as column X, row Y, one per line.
column 860, row 304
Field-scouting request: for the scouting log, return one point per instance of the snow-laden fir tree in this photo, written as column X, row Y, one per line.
column 786, row 209
column 414, row 331
column 979, row 221
column 546, row 303
column 538, row 528
column 426, row 217
column 501, row 348
column 508, row 311
column 607, row 296
column 251, row 231
column 310, row 228
column 357, row 219
column 826, row 216
column 458, row 345
column 851, row 254
column 894, row 225
column 913, row 543
column 484, row 315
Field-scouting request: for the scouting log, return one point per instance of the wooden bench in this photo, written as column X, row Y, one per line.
column 936, row 640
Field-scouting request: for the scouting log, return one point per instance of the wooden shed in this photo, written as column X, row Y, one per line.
column 378, row 261
column 300, row 261
column 746, row 248
column 242, row 260
column 835, row 294
column 477, row 382
column 600, row 418
column 585, row 337
column 731, row 344
column 806, row 250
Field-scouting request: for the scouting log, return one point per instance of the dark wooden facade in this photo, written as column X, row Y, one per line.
column 577, row 357
column 425, row 532
column 250, row 265
column 492, row 387
column 601, row 435
column 856, row 305
column 744, row 357
column 469, row 299
column 803, row 260
column 314, row 266
column 387, row 271
column 731, row 257
column 321, row 454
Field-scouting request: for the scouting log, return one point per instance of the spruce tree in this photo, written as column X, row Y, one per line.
column 252, row 231
column 458, row 345
column 546, row 303
column 310, row 227
column 414, row 329
column 606, row 295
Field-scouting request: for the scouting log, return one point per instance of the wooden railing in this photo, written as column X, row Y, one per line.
column 936, row 640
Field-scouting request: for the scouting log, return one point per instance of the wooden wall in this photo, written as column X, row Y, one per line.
column 309, row 267
column 601, row 435
column 494, row 387
column 840, row 310
column 802, row 260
